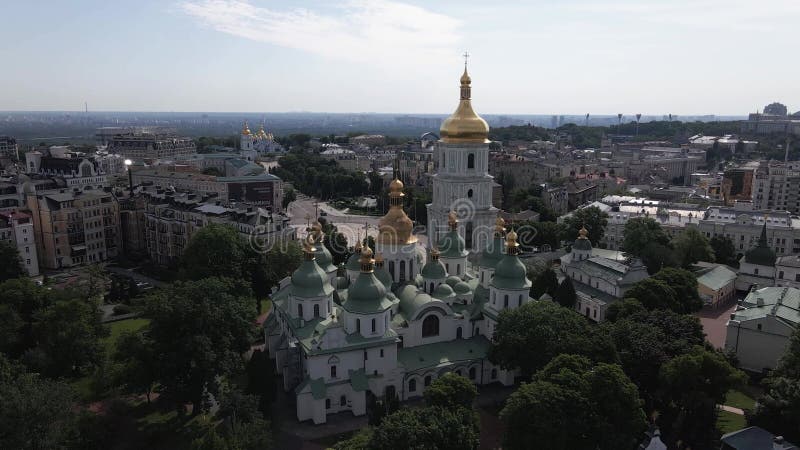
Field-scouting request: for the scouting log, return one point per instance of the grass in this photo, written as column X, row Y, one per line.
column 265, row 305
column 739, row 399
column 728, row 422
column 117, row 328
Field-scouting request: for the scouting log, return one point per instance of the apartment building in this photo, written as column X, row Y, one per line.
column 74, row 228
column 776, row 186
column 17, row 229
column 145, row 146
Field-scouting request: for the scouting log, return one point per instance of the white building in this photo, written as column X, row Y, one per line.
column 17, row 229
column 758, row 332
column 389, row 325
column 253, row 145
column 787, row 271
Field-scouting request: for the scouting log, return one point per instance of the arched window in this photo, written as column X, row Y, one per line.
column 412, row 385
column 402, row 271
column 431, row 289
column 373, row 325
column 494, row 374
column 430, row 326
column 428, row 380
column 410, row 268
column 391, row 270
column 458, row 269
column 447, row 267
column 468, row 235
column 471, row 373
column 343, row 400
column 300, row 311
column 469, row 193
column 471, row 161
column 505, row 301
column 333, row 371
column 459, row 333
column 358, row 325
column 519, row 301
column 316, row 310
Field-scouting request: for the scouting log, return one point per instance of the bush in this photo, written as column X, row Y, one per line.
column 122, row 309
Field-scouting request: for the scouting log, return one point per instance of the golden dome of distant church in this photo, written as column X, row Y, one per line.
column 464, row 125
column 395, row 227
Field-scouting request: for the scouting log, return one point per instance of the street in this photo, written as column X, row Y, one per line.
column 303, row 210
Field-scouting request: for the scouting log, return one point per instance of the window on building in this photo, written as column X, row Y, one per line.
column 458, row 269
column 343, row 400
column 427, row 380
column 505, row 301
column 494, row 374
column 327, row 403
column 759, row 327
column 316, row 310
column 402, row 271
column 300, row 311
column 366, row 355
column 459, row 333
column 430, row 326
column 780, row 274
column 412, row 385
column 333, row 371
column 755, row 271
column 430, row 291
column 471, row 161
column 381, row 353
column 469, row 193
column 358, row 325
column 471, row 373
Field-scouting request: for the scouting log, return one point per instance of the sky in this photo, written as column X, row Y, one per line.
column 727, row 57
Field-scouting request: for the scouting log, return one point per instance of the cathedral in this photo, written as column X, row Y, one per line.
column 393, row 319
column 256, row 144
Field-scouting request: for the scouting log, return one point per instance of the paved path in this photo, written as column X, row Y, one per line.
column 714, row 321
column 135, row 275
column 731, row 409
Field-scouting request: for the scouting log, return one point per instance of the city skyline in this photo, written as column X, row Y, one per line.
column 576, row 57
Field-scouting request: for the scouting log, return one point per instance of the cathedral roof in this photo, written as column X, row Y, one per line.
column 462, row 288
column 464, row 125
column 583, row 242
column 510, row 272
column 443, row 292
column 396, row 227
column 309, row 280
column 493, row 252
column 452, row 280
column 434, row 269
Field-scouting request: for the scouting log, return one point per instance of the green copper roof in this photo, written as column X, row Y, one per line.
column 493, row 253
column 434, row 270
column 317, row 387
column 761, row 254
column 309, row 280
column 452, row 281
column 443, row 353
column 383, row 275
column 367, row 295
column 717, row 278
column 452, row 245
column 461, row 288
column 412, row 300
column 510, row 273
column 353, row 262
column 582, row 244
column 323, row 257
column 340, row 283
column 443, row 292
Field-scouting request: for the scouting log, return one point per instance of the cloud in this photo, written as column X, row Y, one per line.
column 378, row 31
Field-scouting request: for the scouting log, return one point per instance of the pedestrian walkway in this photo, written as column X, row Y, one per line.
column 732, row 409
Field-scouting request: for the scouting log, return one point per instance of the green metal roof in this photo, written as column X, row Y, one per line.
column 384, row 276
column 434, row 270
column 367, row 295
column 354, row 262
column 461, row 288
column 510, row 273
column 452, row 281
column 309, row 280
column 717, row 278
column 443, row 353
column 452, row 245
column 323, row 257
column 443, row 292
column 493, row 253
column 780, row 302
column 317, row 386
column 358, row 379
column 582, row 244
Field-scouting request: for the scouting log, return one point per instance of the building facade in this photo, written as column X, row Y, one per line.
column 145, row 146
column 17, row 229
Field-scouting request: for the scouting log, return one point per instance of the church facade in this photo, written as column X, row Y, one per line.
column 393, row 319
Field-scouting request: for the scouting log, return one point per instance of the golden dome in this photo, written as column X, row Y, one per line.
column 367, row 263
column 511, row 243
column 246, row 129
column 395, row 227
column 379, row 258
column 582, row 233
column 464, row 125
column 499, row 226
column 452, row 220
column 357, row 248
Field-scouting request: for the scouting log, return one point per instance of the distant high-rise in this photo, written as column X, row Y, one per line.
column 8, row 147
column 151, row 146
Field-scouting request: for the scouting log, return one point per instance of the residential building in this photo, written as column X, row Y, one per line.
column 17, row 229
column 787, row 271
column 74, row 228
column 743, row 226
column 758, row 332
column 777, row 187
column 580, row 192
column 555, row 198
column 8, row 148
column 754, row 438
column 146, row 146
column 75, row 171
column 737, row 184
column 716, row 285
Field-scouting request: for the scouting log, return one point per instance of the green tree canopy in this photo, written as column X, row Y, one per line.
column 451, row 391
column 136, row 363
column 427, row 428
column 691, row 246
column 641, row 231
column 592, row 218
column 778, row 409
column 724, row 250
column 684, row 283
column 214, row 251
column 530, row 336
column 653, row 293
column 546, row 282
column 199, row 331
column 10, row 262
column 574, row 404
column 565, row 294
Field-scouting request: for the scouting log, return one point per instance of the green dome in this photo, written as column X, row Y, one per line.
column 452, row 245
column 443, row 291
column 323, row 257
column 761, row 254
column 383, row 276
column 434, row 270
column 452, row 281
column 366, row 295
column 354, row 262
column 462, row 288
column 582, row 244
column 510, row 273
column 309, row 280
column 493, row 253
column 340, row 283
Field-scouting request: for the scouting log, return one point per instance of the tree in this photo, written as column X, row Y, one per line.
column 214, row 251
column 573, row 404
column 591, row 218
column 530, row 336
column 451, row 391
column 684, row 283
column 199, row 330
column 624, row 308
column 547, row 233
column 280, row 261
column 546, row 282
column 35, row 412
column 261, row 379
column 136, row 369
column 288, row 197
column 778, row 409
column 565, row 294
column 427, row 428
column 68, row 335
column 692, row 385
column 653, row 293
column 724, row 251
column 641, row 232
column 657, row 257
column 10, row 262
column 691, row 246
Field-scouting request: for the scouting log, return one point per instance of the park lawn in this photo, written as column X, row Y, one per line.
column 728, row 422
column 119, row 327
column 265, row 305
column 739, row 399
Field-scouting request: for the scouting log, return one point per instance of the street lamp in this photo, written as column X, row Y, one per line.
column 128, row 164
